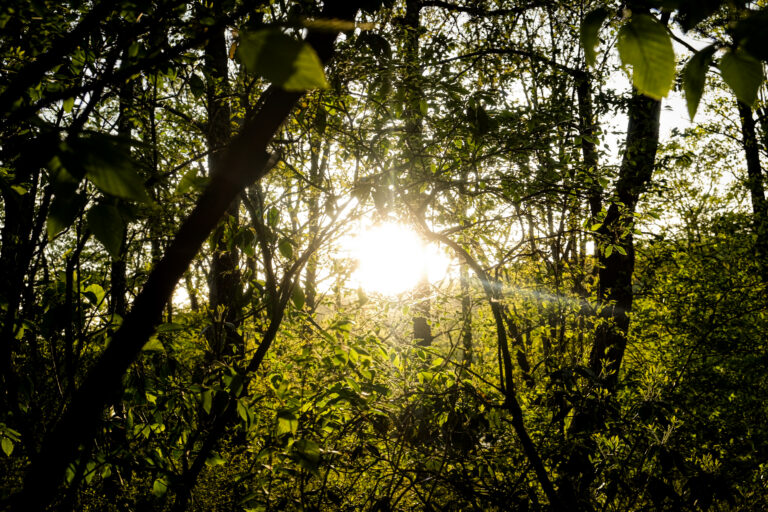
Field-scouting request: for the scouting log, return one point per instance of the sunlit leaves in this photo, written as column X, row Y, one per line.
column 589, row 33
column 160, row 487
column 284, row 61
column 645, row 46
column 743, row 73
column 287, row 422
column 694, row 76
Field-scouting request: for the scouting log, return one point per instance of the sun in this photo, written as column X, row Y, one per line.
column 392, row 258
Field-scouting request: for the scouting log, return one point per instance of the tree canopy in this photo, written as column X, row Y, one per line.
column 383, row 255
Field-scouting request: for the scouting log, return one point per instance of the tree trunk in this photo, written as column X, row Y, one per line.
column 756, row 187
column 224, row 288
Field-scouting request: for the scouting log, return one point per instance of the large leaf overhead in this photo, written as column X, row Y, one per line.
column 694, row 75
column 282, row 60
column 589, row 33
column 645, row 46
column 744, row 74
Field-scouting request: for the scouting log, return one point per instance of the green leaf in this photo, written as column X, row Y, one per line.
column 63, row 211
column 590, row 33
column 273, row 216
column 215, row 460
column 743, row 73
column 297, row 296
column 645, row 46
column 153, row 345
column 68, row 104
column 7, row 446
column 286, row 248
column 308, row 454
column 108, row 227
column 284, row 61
column 196, row 85
column 94, row 293
column 189, row 181
column 694, row 76
column 287, row 423
column 160, row 487
column 207, row 401
column 119, row 181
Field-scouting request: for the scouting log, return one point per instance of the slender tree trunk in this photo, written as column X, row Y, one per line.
column 118, row 283
column 412, row 97
column 616, row 257
column 224, row 288
column 756, row 186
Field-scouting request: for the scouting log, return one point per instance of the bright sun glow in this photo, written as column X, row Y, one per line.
column 392, row 258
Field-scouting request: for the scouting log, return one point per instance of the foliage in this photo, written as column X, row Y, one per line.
column 182, row 178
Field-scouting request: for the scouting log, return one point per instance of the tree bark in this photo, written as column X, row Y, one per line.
column 224, row 290
column 756, row 186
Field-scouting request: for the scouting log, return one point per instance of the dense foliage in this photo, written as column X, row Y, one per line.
column 181, row 328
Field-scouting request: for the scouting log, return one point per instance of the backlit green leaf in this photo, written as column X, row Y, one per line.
column 282, row 60
column 160, row 487
column 287, row 423
column 119, row 181
column 743, row 74
column 590, row 31
column 286, row 248
column 694, row 76
column 7, row 446
column 645, row 46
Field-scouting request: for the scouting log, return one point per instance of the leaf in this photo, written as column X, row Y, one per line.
column 645, row 45
column 694, row 76
column 207, row 401
column 743, row 74
column 160, row 487
column 107, row 225
column 68, row 104
column 153, row 345
column 215, row 460
column 242, row 411
column 7, row 446
column 284, row 61
column 107, row 162
column 287, row 423
column 118, row 181
column 63, row 211
column 196, row 85
column 590, row 33
column 297, row 296
column 750, row 35
column 308, row 454
column 94, row 293
column 286, row 248
column 273, row 216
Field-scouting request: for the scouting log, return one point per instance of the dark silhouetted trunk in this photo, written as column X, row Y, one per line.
column 756, row 186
